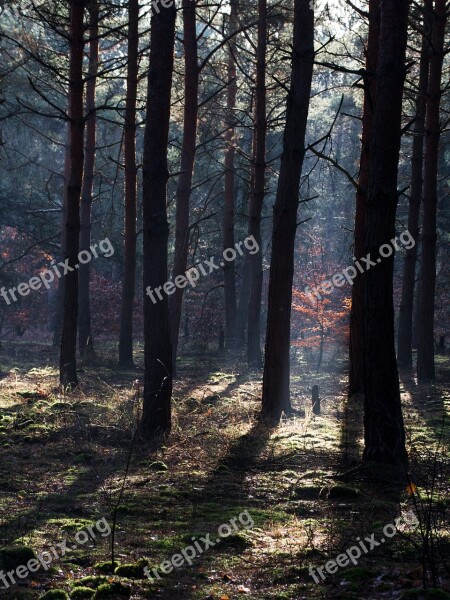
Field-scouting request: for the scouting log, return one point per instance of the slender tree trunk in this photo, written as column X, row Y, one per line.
column 276, row 392
column 254, row 356
column 425, row 347
column 404, row 352
column 229, row 270
column 156, row 418
column 184, row 186
column 356, row 385
column 384, row 433
column 59, row 306
column 67, row 361
column 242, row 306
column 85, row 341
column 129, row 263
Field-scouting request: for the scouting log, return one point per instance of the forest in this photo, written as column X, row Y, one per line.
column 224, row 285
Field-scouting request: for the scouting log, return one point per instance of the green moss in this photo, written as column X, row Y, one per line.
column 60, row 406
column 238, row 541
column 84, row 457
column 358, row 574
column 112, row 591
column 81, row 593
column 54, row 595
column 92, row 581
column 106, row 566
column 131, row 570
column 73, row 525
column 158, row 465
column 12, row 557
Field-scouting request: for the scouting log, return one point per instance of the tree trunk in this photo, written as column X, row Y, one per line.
column 85, row 341
column 67, row 361
column 229, row 269
column 156, row 418
column 59, row 304
column 384, row 433
column 356, row 385
column 242, row 305
column 425, row 346
column 404, row 351
column 276, row 393
column 129, row 262
column 254, row 356
column 184, row 186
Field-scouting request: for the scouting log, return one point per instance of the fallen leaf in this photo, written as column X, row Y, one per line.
column 411, row 489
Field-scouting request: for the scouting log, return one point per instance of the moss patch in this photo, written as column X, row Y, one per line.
column 82, row 593
column 12, row 557
column 112, row 591
column 54, row 595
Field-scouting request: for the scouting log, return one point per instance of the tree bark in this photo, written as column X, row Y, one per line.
column 254, row 356
column 85, row 341
column 229, row 269
column 59, row 305
column 156, row 418
column 276, row 393
column 129, row 262
column 404, row 350
column 384, row 434
column 356, row 385
column 67, row 364
column 184, row 187
column 425, row 346
column 242, row 305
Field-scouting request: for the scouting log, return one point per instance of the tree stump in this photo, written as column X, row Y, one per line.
column 315, row 400
column 221, row 339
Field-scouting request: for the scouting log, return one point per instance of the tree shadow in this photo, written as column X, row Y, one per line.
column 428, row 401
column 224, row 496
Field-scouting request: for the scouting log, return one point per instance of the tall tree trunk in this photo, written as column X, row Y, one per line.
column 242, row 305
column 356, row 385
column 254, row 356
column 129, row 263
column 59, row 304
column 67, row 360
column 229, row 270
column 85, row 341
column 184, row 187
column 384, row 434
column 425, row 346
column 156, row 418
column 276, row 392
column 404, row 351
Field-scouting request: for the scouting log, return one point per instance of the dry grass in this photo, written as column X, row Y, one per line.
column 63, row 459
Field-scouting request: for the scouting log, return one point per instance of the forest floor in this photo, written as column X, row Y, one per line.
column 63, row 460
